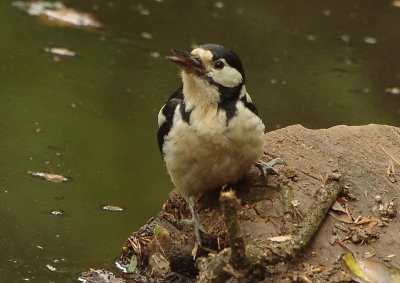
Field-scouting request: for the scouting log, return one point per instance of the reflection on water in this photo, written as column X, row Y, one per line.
column 92, row 117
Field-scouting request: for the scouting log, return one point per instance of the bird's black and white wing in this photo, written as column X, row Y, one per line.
column 166, row 116
column 248, row 103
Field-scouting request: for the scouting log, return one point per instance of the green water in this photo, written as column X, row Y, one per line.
column 97, row 110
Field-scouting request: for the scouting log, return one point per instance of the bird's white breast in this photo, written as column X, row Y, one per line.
column 209, row 152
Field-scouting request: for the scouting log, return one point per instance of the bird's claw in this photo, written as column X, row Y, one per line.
column 195, row 220
column 267, row 167
column 195, row 223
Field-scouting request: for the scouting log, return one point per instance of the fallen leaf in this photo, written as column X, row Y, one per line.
column 338, row 207
column 51, row 268
column 396, row 3
column 371, row 221
column 112, row 208
column 49, row 176
column 160, row 265
column 370, row 271
column 69, row 17
column 370, row 40
column 393, row 90
column 55, row 13
column 342, row 217
column 56, row 212
column 60, row 51
column 35, row 8
column 133, row 264
column 194, row 250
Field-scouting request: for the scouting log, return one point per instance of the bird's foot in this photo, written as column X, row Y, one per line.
column 267, row 167
column 194, row 221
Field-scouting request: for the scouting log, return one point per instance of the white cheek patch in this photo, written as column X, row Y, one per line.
column 227, row 76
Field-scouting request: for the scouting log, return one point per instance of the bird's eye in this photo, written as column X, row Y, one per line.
column 219, row 64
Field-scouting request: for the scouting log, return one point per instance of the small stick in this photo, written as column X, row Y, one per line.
column 394, row 159
column 230, row 204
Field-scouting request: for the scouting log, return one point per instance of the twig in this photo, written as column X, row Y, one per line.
column 245, row 258
column 310, row 225
column 310, row 175
column 394, row 159
column 230, row 204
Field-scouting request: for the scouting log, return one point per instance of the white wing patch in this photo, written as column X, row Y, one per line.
column 161, row 117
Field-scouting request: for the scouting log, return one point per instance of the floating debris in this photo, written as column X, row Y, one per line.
column 141, row 9
column 55, row 13
column 311, row 37
column 36, row 8
column 60, row 51
column 71, row 17
column 393, row 90
column 51, row 268
column 57, row 212
column 370, row 40
column 327, row 12
column 49, row 176
column 345, row 38
column 112, row 208
column 155, row 54
column 146, row 35
column 219, row 4
column 396, row 3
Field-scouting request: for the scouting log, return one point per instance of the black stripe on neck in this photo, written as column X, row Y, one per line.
column 185, row 113
column 228, row 98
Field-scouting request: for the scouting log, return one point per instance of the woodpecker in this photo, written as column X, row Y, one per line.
column 209, row 132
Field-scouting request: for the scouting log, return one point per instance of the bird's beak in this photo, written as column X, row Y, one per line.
column 186, row 61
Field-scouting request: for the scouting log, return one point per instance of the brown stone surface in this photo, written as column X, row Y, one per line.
column 356, row 152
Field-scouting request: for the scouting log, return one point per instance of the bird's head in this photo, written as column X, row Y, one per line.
column 210, row 65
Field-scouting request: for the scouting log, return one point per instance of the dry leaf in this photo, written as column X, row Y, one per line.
column 340, row 216
column 370, row 271
column 338, row 207
column 60, row 51
column 49, row 176
column 70, row 17
column 55, row 13
column 194, row 250
column 51, row 268
column 371, row 221
column 112, row 208
column 160, row 265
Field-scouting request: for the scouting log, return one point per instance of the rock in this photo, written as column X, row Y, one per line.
column 358, row 156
